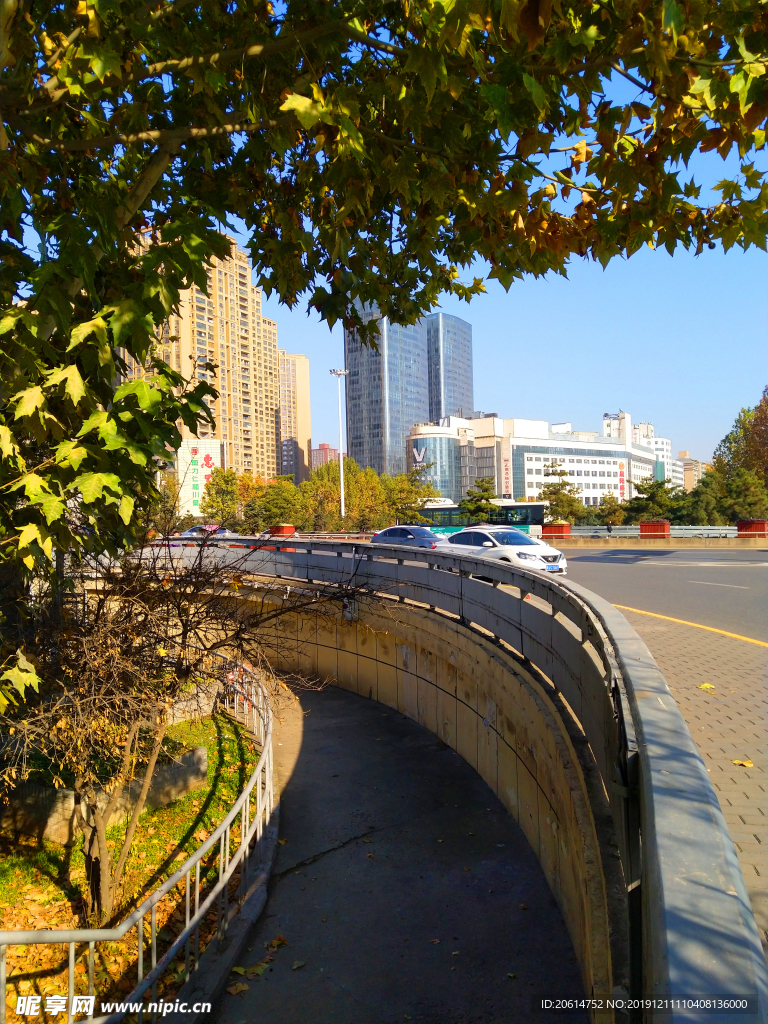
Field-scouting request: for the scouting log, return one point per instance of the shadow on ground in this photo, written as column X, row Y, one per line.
column 403, row 888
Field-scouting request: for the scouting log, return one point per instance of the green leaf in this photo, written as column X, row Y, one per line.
column 8, row 447
column 308, row 111
column 29, row 402
column 91, row 485
column 74, row 387
column 673, row 19
column 126, row 508
column 106, row 63
column 33, row 534
column 148, row 397
column 83, row 331
column 21, row 675
column 537, row 93
column 497, row 97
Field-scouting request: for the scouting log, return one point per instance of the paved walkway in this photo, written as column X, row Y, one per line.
column 728, row 723
column 402, row 887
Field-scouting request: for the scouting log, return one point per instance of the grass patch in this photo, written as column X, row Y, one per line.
column 41, row 883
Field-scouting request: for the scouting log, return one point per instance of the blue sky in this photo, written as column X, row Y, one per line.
column 677, row 340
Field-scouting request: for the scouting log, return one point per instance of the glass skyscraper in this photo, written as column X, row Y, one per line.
column 419, row 373
column 449, row 346
column 387, row 392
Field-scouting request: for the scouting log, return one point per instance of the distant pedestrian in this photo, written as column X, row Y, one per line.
column 609, row 528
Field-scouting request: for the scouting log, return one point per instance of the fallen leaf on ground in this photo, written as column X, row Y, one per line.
column 297, row 964
column 238, row 970
column 256, row 971
column 706, row 686
column 367, row 840
column 276, row 942
column 465, row 869
column 523, row 906
column 235, row 990
column 435, row 942
column 509, row 975
column 455, row 952
column 370, row 855
column 282, row 841
column 743, row 764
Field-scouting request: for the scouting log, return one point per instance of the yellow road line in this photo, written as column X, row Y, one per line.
column 697, row 625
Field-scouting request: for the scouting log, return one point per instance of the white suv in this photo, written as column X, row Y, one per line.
column 506, row 545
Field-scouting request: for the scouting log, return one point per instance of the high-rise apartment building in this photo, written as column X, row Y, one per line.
column 391, row 388
column 226, row 327
column 449, row 354
column 295, row 416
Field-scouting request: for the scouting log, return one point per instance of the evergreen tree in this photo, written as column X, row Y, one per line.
column 610, row 512
column 408, row 493
column 477, row 503
column 745, row 496
column 564, row 500
column 657, row 500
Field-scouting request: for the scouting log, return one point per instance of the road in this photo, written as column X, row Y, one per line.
column 403, row 888
column 724, row 589
column 718, row 680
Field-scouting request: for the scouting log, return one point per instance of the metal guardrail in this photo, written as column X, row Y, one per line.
column 674, row 531
column 691, row 928
column 246, row 699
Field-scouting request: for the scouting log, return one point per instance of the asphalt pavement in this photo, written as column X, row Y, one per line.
column 724, row 589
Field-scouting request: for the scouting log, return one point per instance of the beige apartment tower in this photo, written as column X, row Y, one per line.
column 225, row 327
column 295, row 416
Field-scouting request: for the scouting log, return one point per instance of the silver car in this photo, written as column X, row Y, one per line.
column 413, row 536
column 506, row 545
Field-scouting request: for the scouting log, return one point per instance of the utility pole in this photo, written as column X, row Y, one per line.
column 338, row 374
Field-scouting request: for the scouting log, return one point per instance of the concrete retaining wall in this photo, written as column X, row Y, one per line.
column 512, row 727
column 42, row 812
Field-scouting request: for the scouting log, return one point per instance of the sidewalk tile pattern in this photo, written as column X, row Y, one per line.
column 729, row 723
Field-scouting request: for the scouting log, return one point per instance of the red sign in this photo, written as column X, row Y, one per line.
column 622, row 482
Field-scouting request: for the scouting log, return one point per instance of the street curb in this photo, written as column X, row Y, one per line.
column 216, row 963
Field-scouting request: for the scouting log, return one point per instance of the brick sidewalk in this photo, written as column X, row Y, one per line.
column 728, row 724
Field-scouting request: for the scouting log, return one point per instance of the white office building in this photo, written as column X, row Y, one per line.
column 516, row 452
column 667, row 468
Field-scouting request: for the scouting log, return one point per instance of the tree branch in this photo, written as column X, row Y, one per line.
column 142, row 799
column 50, row 92
column 632, row 79
column 162, row 135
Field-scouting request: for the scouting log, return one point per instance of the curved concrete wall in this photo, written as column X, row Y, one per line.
column 691, row 932
column 512, row 727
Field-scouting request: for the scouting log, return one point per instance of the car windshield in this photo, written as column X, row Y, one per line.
column 421, row 531
column 513, row 538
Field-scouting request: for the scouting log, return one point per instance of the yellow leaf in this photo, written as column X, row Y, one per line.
column 297, row 964
column 706, row 686
column 238, row 970
column 237, row 988
column 743, row 764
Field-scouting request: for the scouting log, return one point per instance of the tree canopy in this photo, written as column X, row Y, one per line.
column 564, row 499
column 373, row 152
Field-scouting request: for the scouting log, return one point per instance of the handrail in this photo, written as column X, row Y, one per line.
column 691, row 929
column 254, row 706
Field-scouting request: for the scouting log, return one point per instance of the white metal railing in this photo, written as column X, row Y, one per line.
column 245, row 697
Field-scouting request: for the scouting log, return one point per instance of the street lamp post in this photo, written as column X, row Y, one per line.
column 338, row 374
